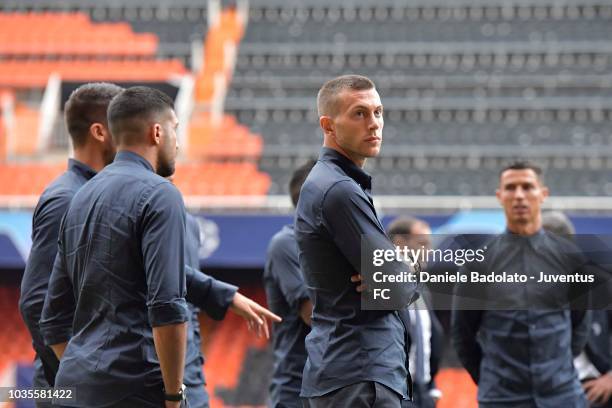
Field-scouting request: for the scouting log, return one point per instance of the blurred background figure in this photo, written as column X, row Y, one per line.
column 594, row 364
column 425, row 333
column 287, row 297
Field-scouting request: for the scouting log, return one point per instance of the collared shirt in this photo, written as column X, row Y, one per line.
column 119, row 272
column 46, row 221
column 346, row 344
column 524, row 355
column 193, row 357
column 420, row 375
column 203, row 293
column 285, row 292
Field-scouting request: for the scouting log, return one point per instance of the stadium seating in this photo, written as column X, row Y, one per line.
column 195, row 179
column 227, row 362
column 31, row 34
column 175, row 23
column 15, row 341
column 35, row 74
column 462, row 82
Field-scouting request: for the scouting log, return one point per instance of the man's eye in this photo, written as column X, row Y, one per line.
column 378, row 114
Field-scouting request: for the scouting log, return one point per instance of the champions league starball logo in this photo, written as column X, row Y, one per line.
column 209, row 237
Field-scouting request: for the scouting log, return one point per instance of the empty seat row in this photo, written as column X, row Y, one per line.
column 423, row 31
column 29, row 73
column 224, row 178
column 349, row 12
column 69, row 34
column 462, row 182
column 252, row 57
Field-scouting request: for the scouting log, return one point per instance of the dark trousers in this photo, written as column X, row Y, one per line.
column 360, row 395
column 420, row 397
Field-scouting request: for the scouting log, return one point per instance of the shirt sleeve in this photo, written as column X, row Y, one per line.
column 209, row 294
column 349, row 217
column 59, row 306
column 163, row 240
column 285, row 270
column 464, row 328
column 34, row 285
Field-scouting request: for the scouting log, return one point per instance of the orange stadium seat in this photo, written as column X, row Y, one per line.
column 27, row 179
column 225, row 140
column 70, row 34
column 221, row 179
column 224, row 364
column 26, row 126
column 15, row 340
column 458, row 389
column 31, row 74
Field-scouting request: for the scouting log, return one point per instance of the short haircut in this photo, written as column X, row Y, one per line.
column 328, row 94
column 524, row 165
column 557, row 223
column 88, row 105
column 298, row 178
column 403, row 226
column 131, row 110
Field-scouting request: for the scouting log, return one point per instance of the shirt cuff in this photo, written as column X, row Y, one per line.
column 219, row 299
column 166, row 313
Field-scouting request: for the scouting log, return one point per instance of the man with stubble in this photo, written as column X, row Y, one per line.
column 356, row 358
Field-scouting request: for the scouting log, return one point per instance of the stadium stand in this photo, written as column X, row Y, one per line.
column 41, row 38
column 15, row 342
column 463, row 83
column 176, row 24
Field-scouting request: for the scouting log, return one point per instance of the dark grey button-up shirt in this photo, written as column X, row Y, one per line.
column 346, row 344
column 203, row 292
column 523, row 356
column 285, row 292
column 46, row 221
column 119, row 271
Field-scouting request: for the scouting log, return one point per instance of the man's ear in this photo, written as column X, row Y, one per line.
column 98, row 131
column 155, row 133
column 545, row 193
column 498, row 195
column 327, row 124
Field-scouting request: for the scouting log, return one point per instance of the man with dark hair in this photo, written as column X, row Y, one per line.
column 356, row 357
column 118, row 285
column 115, row 311
column 519, row 348
column 85, row 114
column 558, row 223
column 287, row 297
column 424, row 342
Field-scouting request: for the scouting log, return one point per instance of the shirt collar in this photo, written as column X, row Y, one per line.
column 351, row 169
column 535, row 240
column 128, row 156
column 81, row 168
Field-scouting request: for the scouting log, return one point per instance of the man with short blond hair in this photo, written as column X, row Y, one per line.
column 356, row 357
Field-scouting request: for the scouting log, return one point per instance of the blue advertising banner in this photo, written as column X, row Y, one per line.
column 240, row 241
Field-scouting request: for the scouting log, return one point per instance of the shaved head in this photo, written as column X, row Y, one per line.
column 132, row 111
column 327, row 99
